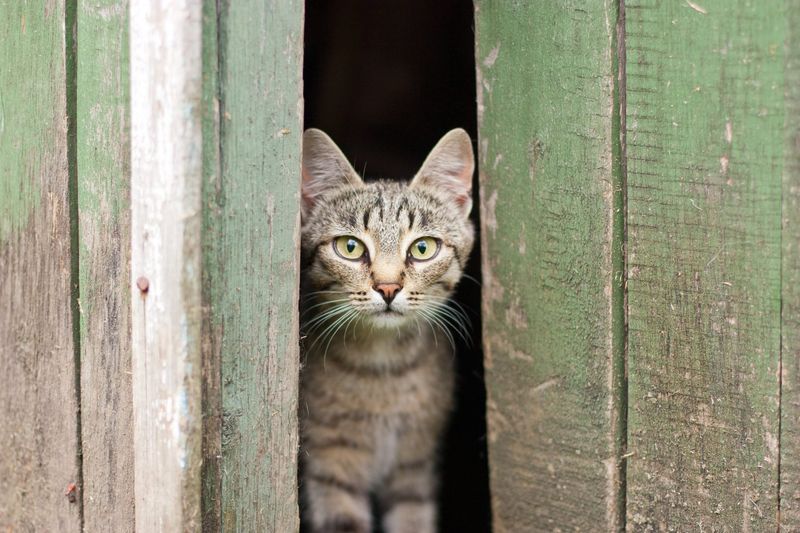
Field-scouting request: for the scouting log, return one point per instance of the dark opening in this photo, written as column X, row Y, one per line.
column 386, row 80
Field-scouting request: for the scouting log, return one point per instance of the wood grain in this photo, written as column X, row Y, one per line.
column 103, row 162
column 166, row 178
column 705, row 83
column 38, row 397
column 251, row 263
column 790, row 276
column 549, row 187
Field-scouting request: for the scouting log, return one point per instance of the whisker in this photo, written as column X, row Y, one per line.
column 331, row 326
column 344, row 335
column 431, row 326
column 320, row 319
column 438, row 321
column 307, row 309
column 471, row 278
column 308, row 295
column 344, row 320
column 455, row 302
column 447, row 316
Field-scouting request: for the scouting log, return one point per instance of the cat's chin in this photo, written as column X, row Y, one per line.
column 388, row 319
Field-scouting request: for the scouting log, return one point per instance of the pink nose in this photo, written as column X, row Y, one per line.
column 388, row 290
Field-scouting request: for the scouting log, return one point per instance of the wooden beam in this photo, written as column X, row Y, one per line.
column 551, row 246
column 103, row 162
column 166, row 177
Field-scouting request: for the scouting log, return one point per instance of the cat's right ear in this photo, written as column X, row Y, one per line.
column 324, row 167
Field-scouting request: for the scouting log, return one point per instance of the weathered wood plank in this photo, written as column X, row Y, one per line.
column 211, row 503
column 251, row 242
column 705, row 152
column 38, row 397
column 546, row 109
column 790, row 292
column 166, row 178
column 103, row 162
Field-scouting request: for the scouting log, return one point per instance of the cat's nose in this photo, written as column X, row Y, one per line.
column 388, row 290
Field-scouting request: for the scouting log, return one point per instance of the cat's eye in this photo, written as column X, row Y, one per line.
column 348, row 247
column 424, row 248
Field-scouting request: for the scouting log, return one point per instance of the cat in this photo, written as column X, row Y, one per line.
column 380, row 261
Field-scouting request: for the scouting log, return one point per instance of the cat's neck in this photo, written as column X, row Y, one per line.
column 367, row 346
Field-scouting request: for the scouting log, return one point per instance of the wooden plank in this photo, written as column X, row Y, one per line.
column 790, row 276
column 166, row 178
column 705, row 141
column 38, row 397
column 211, row 504
column 546, row 108
column 103, row 159
column 251, row 242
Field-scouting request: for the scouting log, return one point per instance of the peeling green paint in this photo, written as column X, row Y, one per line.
column 28, row 95
column 546, row 106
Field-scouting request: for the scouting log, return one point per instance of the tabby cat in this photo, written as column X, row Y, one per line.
column 380, row 262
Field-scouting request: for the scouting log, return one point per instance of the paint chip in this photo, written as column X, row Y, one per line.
column 696, row 7
column 492, row 57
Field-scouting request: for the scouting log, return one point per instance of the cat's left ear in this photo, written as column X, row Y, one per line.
column 324, row 167
column 449, row 168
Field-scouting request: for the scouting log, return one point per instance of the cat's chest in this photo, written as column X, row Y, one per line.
column 412, row 386
column 402, row 391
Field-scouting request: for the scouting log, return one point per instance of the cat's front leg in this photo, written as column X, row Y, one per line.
column 336, row 492
column 408, row 498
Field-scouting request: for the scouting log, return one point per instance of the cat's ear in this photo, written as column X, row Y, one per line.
column 324, row 167
column 449, row 168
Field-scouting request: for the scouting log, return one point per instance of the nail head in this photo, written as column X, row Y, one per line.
column 143, row 284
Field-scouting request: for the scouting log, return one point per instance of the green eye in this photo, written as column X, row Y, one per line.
column 424, row 248
column 349, row 247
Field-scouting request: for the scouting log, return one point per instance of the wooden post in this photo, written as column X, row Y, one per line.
column 103, row 162
column 552, row 258
column 253, row 127
column 166, row 166
column 39, row 426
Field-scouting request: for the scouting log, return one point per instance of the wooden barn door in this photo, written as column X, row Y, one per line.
column 149, row 248
column 640, row 173
column 640, row 206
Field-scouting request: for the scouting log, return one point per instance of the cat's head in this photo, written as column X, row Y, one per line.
column 387, row 253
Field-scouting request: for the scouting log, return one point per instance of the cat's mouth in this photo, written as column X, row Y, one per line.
column 388, row 317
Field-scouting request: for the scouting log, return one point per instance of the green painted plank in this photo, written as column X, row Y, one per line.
column 251, row 243
column 549, row 189
column 705, row 120
column 103, row 159
column 38, row 400
column 790, row 295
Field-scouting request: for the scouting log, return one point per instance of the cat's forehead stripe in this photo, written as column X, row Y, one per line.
column 379, row 204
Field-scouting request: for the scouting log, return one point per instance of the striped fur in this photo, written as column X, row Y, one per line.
column 377, row 379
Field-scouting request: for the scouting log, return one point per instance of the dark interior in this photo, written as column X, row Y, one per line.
column 386, row 80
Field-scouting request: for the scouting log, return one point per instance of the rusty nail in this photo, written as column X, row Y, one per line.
column 143, row 283
column 70, row 493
